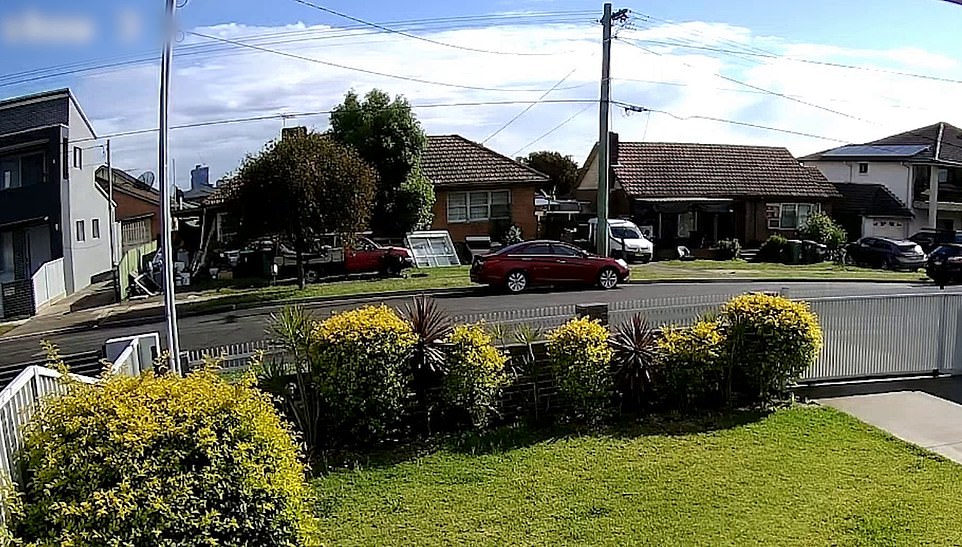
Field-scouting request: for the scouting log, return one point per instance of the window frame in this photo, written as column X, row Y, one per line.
column 95, row 228
column 466, row 206
column 778, row 208
column 80, row 231
column 862, row 171
column 17, row 159
column 78, row 157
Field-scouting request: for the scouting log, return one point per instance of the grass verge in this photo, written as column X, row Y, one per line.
column 740, row 269
column 801, row 476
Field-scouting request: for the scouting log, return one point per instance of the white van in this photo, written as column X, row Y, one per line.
column 625, row 240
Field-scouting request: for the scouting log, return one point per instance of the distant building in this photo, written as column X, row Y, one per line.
column 200, row 186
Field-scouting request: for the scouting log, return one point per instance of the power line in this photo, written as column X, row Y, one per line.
column 529, row 107
column 364, row 70
column 414, row 36
column 290, row 115
column 755, row 87
column 553, row 129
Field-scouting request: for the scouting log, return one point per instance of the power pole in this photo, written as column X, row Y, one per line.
column 604, row 158
column 110, row 224
column 166, row 224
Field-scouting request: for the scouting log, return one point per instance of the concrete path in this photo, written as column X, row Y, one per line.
column 918, row 417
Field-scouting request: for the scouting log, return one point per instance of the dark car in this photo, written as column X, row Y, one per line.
column 889, row 254
column 945, row 264
column 929, row 240
column 522, row 265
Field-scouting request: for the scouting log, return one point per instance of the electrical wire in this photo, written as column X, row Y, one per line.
column 415, row 36
column 553, row 129
column 529, row 107
column 364, row 70
column 294, row 115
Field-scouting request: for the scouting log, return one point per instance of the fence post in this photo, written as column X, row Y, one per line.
column 595, row 312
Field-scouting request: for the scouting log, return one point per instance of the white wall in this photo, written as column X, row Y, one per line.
column 898, row 228
column 590, row 179
column 82, row 200
column 893, row 175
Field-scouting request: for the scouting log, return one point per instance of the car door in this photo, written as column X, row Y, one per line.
column 571, row 265
column 364, row 257
column 538, row 262
column 863, row 251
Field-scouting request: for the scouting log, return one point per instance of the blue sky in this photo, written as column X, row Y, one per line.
column 916, row 36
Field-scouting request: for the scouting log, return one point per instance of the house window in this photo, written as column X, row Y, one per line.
column 78, row 157
column 95, row 228
column 479, row 206
column 21, row 170
column 81, row 234
column 863, row 169
column 789, row 216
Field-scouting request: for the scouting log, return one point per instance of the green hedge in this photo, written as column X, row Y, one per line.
column 580, row 359
column 474, row 373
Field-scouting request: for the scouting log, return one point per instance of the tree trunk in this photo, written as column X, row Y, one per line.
column 301, row 277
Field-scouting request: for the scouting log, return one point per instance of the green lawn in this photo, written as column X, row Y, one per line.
column 802, row 476
column 740, row 269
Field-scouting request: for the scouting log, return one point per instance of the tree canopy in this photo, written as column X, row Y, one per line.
column 562, row 170
column 388, row 136
column 299, row 187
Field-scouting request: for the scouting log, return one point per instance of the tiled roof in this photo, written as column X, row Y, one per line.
column 949, row 147
column 452, row 160
column 124, row 182
column 869, row 200
column 649, row 169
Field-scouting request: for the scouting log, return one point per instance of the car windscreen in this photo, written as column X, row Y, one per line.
column 625, row 232
column 906, row 247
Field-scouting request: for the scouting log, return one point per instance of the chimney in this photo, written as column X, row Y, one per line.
column 613, row 147
column 289, row 132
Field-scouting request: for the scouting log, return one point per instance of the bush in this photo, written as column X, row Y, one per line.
column 11, row 508
column 580, row 358
column 634, row 347
column 359, row 365
column 163, row 460
column 820, row 228
column 730, row 248
column 475, row 373
column 691, row 371
column 773, row 250
column 771, row 341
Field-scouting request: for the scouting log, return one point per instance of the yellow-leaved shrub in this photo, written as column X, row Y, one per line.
column 771, row 340
column 359, row 363
column 580, row 359
column 690, row 370
column 474, row 372
column 163, row 460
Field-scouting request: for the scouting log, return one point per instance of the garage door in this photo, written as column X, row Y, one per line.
column 880, row 227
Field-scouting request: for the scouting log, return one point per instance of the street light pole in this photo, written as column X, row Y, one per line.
column 170, row 306
column 604, row 168
column 112, row 219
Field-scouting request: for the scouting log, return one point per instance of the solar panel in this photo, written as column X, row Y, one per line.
column 878, row 150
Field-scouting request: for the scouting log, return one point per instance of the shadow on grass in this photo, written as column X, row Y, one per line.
column 512, row 437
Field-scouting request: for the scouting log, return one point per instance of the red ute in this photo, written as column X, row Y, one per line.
column 517, row 267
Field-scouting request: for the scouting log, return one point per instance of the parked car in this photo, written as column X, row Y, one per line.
column 930, row 239
column 889, row 254
column 364, row 257
column 625, row 239
column 522, row 265
column 945, row 264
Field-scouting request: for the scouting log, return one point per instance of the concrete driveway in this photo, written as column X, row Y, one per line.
column 927, row 412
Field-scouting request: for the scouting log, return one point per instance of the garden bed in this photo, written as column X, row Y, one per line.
column 801, row 476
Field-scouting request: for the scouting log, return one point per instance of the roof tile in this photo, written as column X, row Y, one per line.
column 452, row 160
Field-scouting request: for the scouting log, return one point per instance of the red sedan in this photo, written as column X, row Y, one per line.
column 517, row 267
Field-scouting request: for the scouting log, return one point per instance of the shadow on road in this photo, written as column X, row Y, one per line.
column 946, row 387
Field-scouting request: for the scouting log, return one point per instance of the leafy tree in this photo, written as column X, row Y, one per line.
column 562, row 170
column 385, row 132
column 299, row 187
column 415, row 203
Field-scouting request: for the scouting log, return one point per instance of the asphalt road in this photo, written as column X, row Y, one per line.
column 244, row 326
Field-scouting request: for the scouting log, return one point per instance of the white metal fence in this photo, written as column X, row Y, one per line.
column 233, row 357
column 49, row 283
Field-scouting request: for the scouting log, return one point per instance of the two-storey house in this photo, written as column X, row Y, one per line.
column 54, row 219
column 899, row 184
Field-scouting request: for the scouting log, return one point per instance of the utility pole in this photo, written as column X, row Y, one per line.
column 604, row 167
column 111, row 222
column 166, row 224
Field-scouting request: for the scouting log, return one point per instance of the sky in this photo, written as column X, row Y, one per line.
column 519, row 75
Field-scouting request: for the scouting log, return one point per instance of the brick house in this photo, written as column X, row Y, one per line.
column 137, row 208
column 697, row 194
column 479, row 191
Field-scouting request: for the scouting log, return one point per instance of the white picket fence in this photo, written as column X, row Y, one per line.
column 234, row 357
column 49, row 283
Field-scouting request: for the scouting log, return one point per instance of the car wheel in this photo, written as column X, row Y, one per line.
column 311, row 276
column 887, row 264
column 608, row 278
column 517, row 281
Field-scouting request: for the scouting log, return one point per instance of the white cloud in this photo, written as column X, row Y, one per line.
column 237, row 83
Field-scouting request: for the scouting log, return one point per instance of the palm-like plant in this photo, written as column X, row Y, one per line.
column 431, row 325
column 634, row 357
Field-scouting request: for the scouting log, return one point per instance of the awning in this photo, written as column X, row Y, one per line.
column 684, row 205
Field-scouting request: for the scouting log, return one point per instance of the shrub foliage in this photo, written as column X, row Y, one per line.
column 475, row 373
column 580, row 358
column 163, row 460
column 691, row 371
